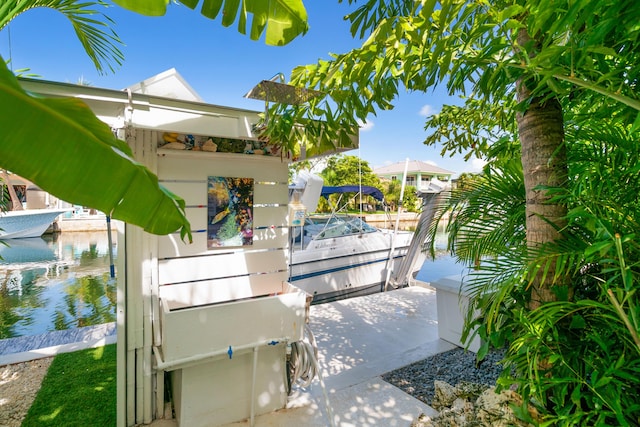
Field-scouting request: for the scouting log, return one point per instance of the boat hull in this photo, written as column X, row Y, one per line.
column 27, row 223
column 346, row 267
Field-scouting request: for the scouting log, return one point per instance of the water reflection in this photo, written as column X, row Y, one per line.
column 56, row 282
column 62, row 282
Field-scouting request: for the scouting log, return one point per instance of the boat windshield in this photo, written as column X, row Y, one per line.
column 337, row 226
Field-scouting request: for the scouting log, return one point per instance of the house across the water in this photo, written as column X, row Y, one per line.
column 425, row 177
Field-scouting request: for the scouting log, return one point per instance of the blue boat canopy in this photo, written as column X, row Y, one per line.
column 366, row 190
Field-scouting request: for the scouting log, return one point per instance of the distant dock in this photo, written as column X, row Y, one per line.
column 88, row 223
column 408, row 220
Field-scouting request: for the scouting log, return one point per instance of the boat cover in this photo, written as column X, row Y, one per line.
column 366, row 190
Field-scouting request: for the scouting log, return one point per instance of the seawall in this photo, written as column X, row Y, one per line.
column 92, row 223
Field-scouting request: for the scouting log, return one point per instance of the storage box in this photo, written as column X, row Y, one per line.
column 228, row 361
column 452, row 302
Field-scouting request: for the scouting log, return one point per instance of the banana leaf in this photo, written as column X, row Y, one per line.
column 283, row 20
column 61, row 146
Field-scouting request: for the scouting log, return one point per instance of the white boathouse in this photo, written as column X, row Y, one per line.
column 206, row 323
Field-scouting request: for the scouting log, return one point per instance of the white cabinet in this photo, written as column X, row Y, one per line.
column 228, row 361
column 452, row 302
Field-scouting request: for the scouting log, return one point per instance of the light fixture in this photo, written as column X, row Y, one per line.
column 273, row 90
column 280, row 92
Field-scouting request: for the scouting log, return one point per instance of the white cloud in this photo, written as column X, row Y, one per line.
column 427, row 110
column 366, row 126
column 430, row 162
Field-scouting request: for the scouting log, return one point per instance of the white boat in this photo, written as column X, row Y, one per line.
column 341, row 256
column 27, row 223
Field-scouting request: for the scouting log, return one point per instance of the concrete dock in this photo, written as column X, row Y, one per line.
column 358, row 340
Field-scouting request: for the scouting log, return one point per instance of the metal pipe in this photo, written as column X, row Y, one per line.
column 253, row 385
column 112, row 269
column 200, row 358
column 395, row 230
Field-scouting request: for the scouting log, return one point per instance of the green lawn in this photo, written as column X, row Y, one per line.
column 78, row 390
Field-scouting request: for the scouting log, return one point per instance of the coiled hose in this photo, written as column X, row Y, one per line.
column 303, row 360
column 303, row 367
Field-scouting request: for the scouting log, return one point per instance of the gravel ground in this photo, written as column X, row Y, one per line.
column 19, row 384
column 453, row 367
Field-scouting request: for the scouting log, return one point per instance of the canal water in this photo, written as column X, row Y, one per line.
column 63, row 281
column 443, row 265
column 56, row 282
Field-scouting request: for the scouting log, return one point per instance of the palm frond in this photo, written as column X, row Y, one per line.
column 488, row 218
column 92, row 27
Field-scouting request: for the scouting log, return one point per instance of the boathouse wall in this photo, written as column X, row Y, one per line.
column 202, row 314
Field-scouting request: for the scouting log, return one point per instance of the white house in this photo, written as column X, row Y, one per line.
column 425, row 177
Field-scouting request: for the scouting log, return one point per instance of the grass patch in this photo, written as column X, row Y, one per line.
column 78, row 390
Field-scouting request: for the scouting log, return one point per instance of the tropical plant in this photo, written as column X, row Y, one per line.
column 119, row 186
column 283, row 20
column 343, row 169
column 534, row 73
column 348, row 170
column 410, row 199
column 484, row 50
column 577, row 356
column 392, row 190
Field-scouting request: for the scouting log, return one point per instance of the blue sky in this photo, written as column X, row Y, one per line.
column 222, row 65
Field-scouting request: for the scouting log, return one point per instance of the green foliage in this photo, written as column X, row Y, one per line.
column 578, row 357
column 392, row 190
column 119, row 186
column 584, row 50
column 582, row 357
column 78, row 390
column 487, row 215
column 348, row 170
column 473, row 128
column 410, row 199
column 283, row 20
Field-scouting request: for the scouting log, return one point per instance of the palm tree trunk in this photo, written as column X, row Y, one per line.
column 544, row 163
